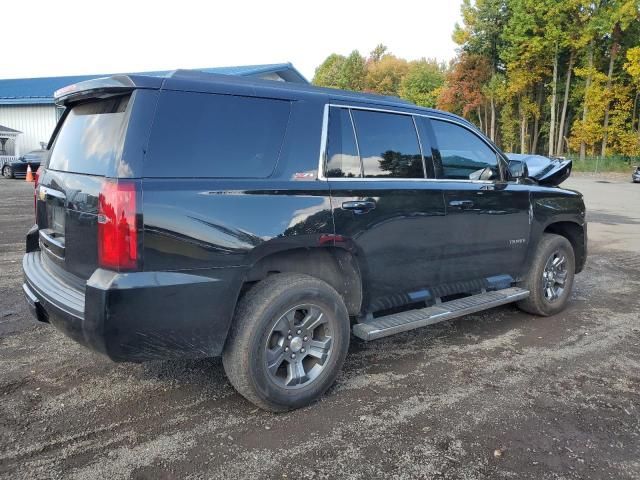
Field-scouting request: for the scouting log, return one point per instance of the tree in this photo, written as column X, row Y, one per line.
column 573, row 40
column 614, row 18
column 353, row 72
column 632, row 67
column 588, row 131
column 494, row 91
column 481, row 33
column 385, row 75
column 378, row 52
column 422, row 82
column 526, row 57
column 338, row 71
column 328, row 73
column 542, row 76
column 622, row 139
column 462, row 92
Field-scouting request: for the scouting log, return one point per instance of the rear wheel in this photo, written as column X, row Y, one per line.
column 7, row 171
column 288, row 342
column 550, row 279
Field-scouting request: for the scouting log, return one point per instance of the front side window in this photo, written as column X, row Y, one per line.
column 342, row 152
column 463, row 154
column 388, row 144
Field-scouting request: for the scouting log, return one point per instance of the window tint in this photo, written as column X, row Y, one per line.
column 90, row 139
column 208, row 135
column 463, row 154
column 342, row 152
column 388, row 144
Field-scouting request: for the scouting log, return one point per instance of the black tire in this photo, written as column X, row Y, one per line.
column 551, row 248
column 7, row 172
column 258, row 320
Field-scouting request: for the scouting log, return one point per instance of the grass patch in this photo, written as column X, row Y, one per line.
column 613, row 163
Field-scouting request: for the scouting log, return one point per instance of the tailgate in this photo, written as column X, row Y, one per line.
column 86, row 149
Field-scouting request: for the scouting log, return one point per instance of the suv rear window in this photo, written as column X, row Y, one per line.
column 210, row 135
column 91, row 137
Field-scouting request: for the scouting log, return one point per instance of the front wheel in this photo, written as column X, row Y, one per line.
column 550, row 278
column 7, row 172
column 289, row 339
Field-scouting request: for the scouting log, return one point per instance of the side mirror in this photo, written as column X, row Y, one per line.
column 518, row 169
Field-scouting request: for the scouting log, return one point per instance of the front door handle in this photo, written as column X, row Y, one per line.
column 461, row 204
column 359, row 206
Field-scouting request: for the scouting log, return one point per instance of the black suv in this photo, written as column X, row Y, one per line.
column 203, row 215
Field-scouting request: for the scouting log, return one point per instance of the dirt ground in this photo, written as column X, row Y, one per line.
column 496, row 395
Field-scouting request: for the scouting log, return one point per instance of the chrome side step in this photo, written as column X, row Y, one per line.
column 404, row 321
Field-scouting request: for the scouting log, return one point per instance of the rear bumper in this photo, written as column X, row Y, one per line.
column 135, row 316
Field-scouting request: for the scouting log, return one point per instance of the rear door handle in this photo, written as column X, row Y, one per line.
column 359, row 206
column 461, row 204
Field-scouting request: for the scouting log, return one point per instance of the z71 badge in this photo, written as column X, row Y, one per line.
column 304, row 176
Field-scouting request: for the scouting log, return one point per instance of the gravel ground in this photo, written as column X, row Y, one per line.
column 494, row 395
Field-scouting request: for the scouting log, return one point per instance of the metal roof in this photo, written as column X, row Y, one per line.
column 7, row 130
column 39, row 91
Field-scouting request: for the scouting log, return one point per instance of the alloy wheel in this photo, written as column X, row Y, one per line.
column 554, row 276
column 299, row 346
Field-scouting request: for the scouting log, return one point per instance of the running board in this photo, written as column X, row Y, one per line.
column 405, row 321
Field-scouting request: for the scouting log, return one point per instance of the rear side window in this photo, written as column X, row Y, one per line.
column 388, row 144
column 342, row 152
column 209, row 135
column 463, row 154
column 91, row 137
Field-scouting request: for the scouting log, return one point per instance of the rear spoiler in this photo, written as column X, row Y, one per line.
column 104, row 87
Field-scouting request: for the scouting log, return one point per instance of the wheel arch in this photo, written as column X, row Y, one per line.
column 575, row 233
column 334, row 265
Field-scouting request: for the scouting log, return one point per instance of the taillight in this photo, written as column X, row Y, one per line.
column 36, row 180
column 117, row 229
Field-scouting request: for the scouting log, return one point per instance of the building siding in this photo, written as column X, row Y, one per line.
column 36, row 122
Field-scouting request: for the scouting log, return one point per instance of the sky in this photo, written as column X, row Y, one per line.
column 69, row 37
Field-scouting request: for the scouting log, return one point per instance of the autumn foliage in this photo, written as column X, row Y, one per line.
column 537, row 76
column 381, row 72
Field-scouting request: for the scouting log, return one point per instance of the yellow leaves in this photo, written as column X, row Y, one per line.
column 418, row 81
column 620, row 137
column 594, row 73
column 460, row 35
column 632, row 65
column 385, row 75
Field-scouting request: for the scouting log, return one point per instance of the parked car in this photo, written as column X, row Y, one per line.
column 203, row 215
column 18, row 168
column 635, row 176
column 545, row 170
